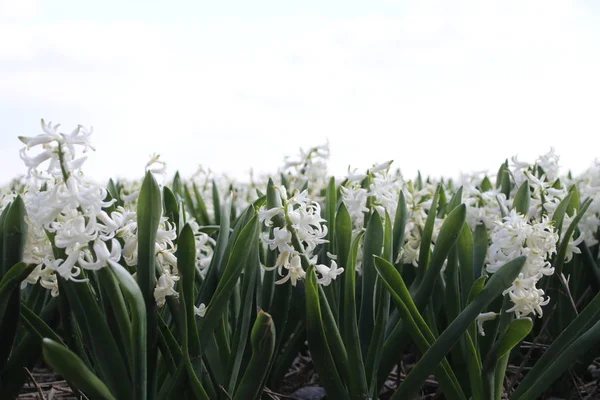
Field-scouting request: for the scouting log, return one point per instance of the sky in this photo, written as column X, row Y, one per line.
column 443, row 87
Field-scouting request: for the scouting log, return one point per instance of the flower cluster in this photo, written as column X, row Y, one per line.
column 302, row 218
column 418, row 204
column 516, row 236
column 63, row 205
column 74, row 227
column 382, row 195
column 382, row 191
column 309, row 166
column 484, row 202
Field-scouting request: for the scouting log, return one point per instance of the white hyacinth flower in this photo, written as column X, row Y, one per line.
column 328, row 273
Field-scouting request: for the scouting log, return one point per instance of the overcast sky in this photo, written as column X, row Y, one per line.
column 444, row 86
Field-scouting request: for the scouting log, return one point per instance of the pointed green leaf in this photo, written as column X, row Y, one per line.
column 427, row 235
column 358, row 383
column 149, row 211
column 263, row 345
column 449, row 233
column 372, row 247
column 564, row 244
column 244, row 250
column 216, row 203
column 138, row 338
column 70, row 366
column 522, row 199
column 399, row 224
column 516, row 331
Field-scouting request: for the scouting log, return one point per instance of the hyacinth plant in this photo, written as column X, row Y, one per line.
column 209, row 288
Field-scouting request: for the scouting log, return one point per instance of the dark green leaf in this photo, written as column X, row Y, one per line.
column 67, row 364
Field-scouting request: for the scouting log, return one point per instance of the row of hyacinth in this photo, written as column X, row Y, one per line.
column 67, row 211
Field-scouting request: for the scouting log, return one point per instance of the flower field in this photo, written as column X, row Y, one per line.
column 207, row 288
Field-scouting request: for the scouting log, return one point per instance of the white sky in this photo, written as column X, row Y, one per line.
column 442, row 86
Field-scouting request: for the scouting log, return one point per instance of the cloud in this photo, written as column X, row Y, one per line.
column 18, row 9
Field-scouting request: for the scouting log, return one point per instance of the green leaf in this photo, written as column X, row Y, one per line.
column 280, row 311
column 455, row 201
column 330, row 210
column 177, row 185
column 149, row 211
column 113, row 191
column 573, row 206
column 451, row 303
column 465, row 252
column 343, row 233
column 3, row 268
column 500, row 175
column 499, row 281
column 480, row 246
column 244, row 250
column 585, row 342
column 559, row 213
column 14, row 236
column 263, row 346
column 186, row 264
column 477, row 288
column 516, row 331
column 170, row 347
column 138, row 338
column 486, row 184
column 171, row 208
column 562, row 249
column 372, row 247
column 240, row 334
column 37, row 326
column 212, row 276
column 358, row 383
column 10, row 307
column 115, row 308
column 427, row 236
column 382, row 309
column 449, row 233
column 12, row 279
column 417, row 327
column 276, row 298
column 216, row 203
column 522, row 199
column 200, row 207
column 334, row 338
column 399, row 224
column 25, row 354
column 108, row 361
column 471, row 353
column 70, row 366
column 274, row 201
column 589, row 316
column 318, row 342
